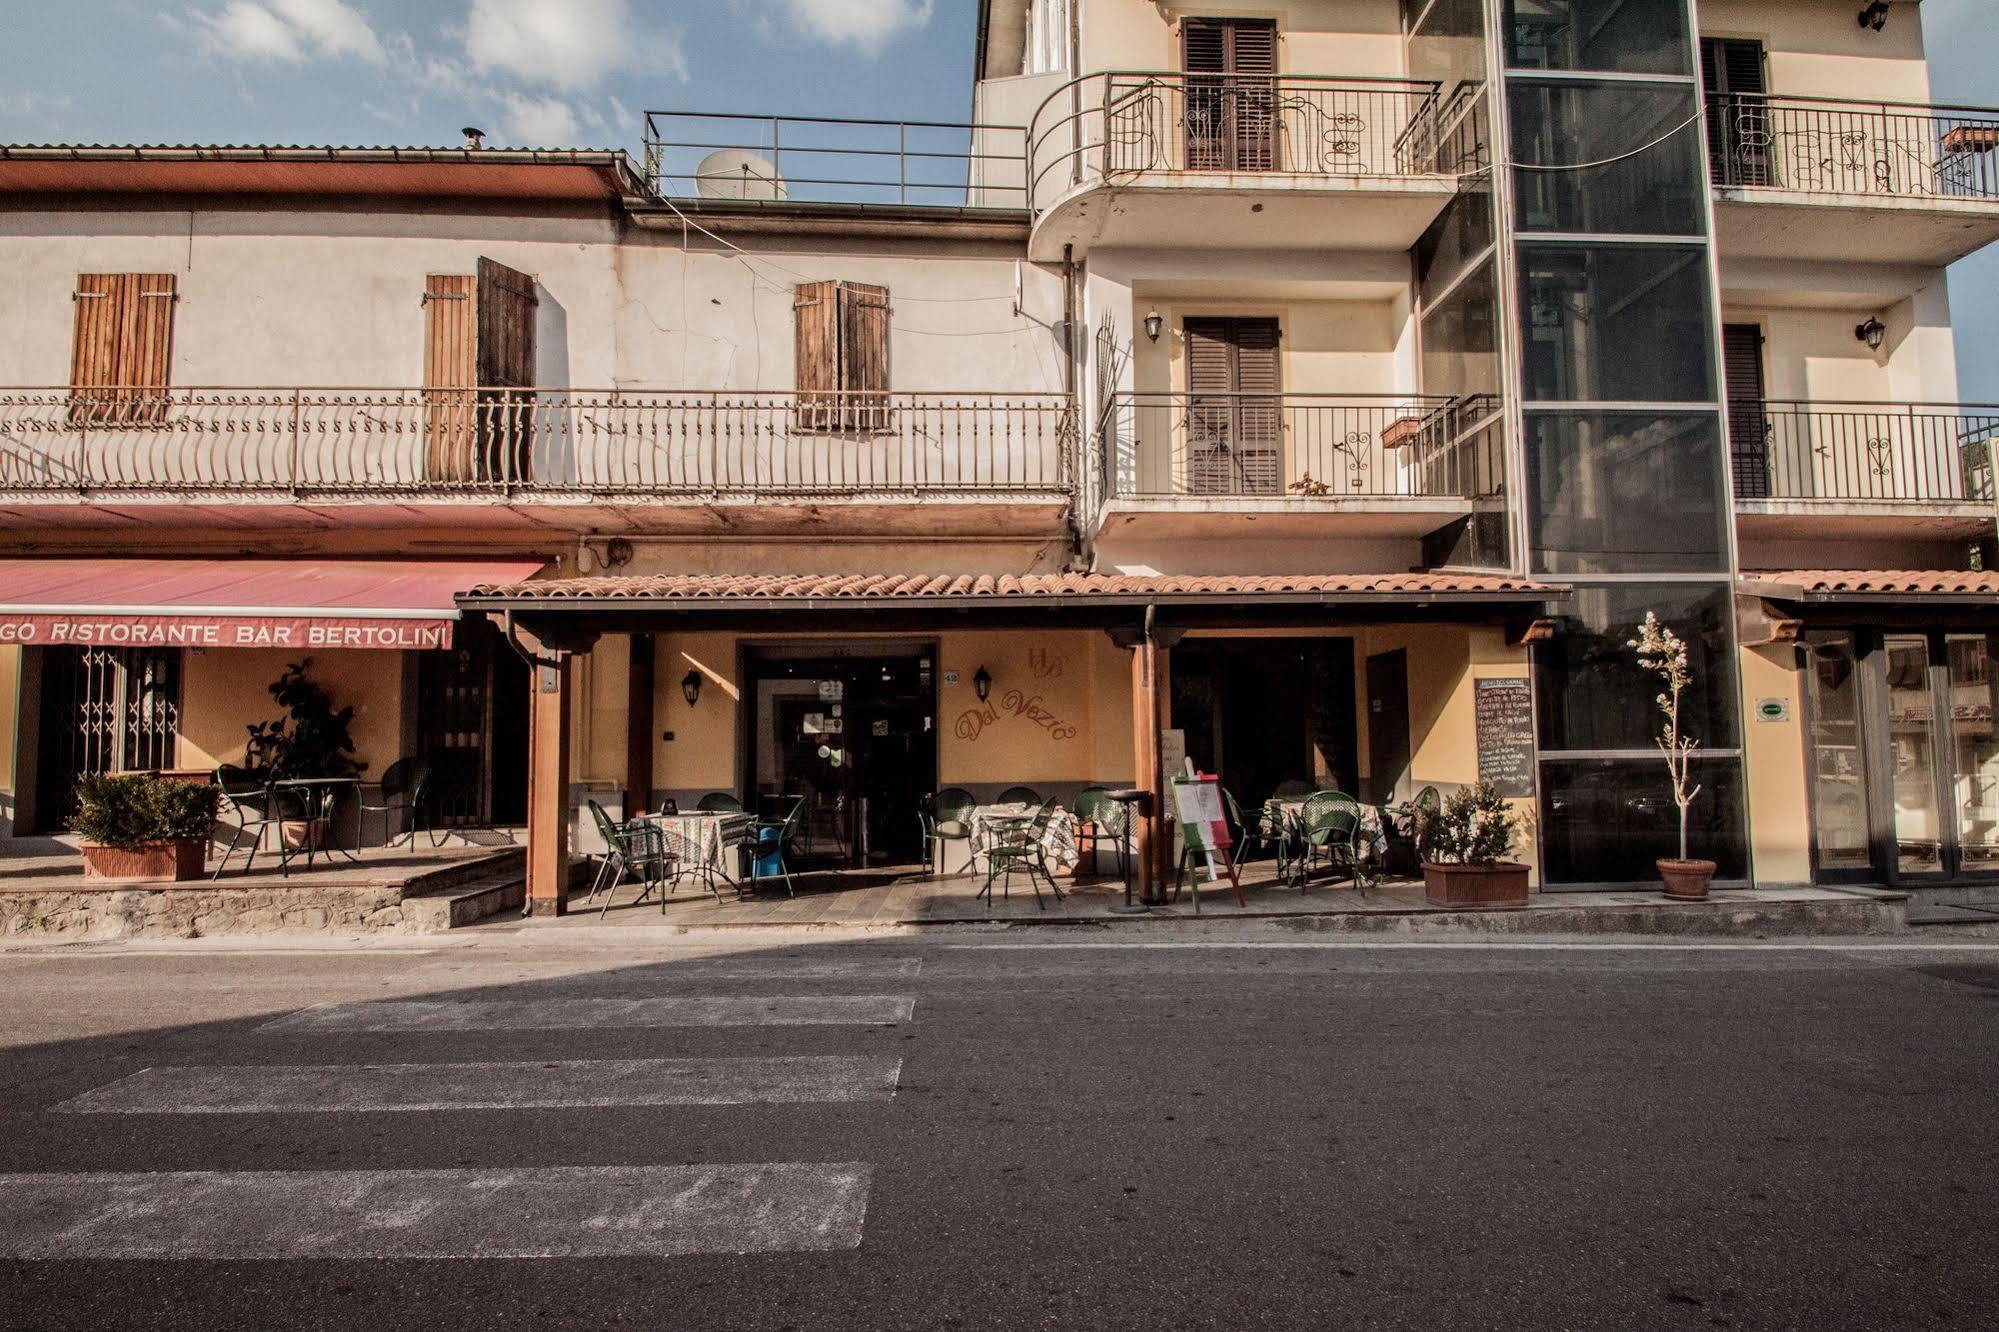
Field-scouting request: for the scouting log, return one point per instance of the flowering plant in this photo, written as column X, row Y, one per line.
column 1662, row 652
column 1474, row 826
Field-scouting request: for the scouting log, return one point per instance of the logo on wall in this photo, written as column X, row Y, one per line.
column 972, row 722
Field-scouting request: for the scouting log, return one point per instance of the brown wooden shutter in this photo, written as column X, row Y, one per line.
column 505, row 355
column 121, row 349
column 1231, row 94
column 450, row 375
column 1748, row 417
column 841, row 342
column 864, row 312
column 815, row 315
column 1738, row 128
column 1234, row 436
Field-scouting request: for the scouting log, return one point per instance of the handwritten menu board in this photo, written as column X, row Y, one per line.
column 1505, row 720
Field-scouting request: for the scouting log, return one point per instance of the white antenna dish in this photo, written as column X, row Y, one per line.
column 732, row 173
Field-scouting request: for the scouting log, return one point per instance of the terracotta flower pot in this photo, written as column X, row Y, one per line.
column 178, row 861
column 304, row 834
column 1475, row 885
column 1686, row 880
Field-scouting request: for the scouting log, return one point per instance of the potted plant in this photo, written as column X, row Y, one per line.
column 1663, row 653
column 312, row 739
column 1464, row 843
column 143, row 827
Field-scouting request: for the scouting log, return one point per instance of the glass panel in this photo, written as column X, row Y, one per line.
column 1593, row 694
column 1971, row 660
column 1449, row 44
column 1598, row 479
column 1616, row 323
column 1912, row 739
column 1616, row 36
column 1656, row 191
column 1839, row 773
column 1460, row 340
column 1609, row 820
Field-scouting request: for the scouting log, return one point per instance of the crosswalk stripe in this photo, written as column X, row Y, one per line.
column 543, row 1212
column 420, row 1015
column 723, row 967
column 560, row 1084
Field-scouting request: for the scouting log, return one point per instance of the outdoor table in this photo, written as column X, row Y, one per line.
column 1058, row 839
column 1287, row 813
column 317, row 796
column 1136, row 803
column 710, row 833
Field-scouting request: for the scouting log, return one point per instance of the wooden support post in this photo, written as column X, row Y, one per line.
column 548, row 784
column 1145, row 656
column 639, row 726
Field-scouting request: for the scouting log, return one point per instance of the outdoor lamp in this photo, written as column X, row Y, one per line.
column 1153, row 323
column 690, row 685
column 982, row 683
column 1875, row 16
column 1873, row 333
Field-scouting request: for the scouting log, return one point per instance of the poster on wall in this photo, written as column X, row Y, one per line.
column 1503, row 712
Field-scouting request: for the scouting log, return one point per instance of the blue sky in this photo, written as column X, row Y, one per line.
column 580, row 72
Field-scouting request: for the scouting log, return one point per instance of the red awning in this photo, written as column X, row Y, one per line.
column 292, row 604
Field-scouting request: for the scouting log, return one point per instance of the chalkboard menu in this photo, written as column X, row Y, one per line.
column 1505, row 713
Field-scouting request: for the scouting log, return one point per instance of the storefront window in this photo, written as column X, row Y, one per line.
column 1970, row 661
column 1912, row 755
column 1609, row 820
column 1594, row 694
column 1839, row 767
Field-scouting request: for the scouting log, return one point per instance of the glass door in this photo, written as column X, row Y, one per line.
column 1971, row 679
column 1917, row 820
column 1841, row 845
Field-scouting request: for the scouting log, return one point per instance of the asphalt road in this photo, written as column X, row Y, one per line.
column 977, row 1131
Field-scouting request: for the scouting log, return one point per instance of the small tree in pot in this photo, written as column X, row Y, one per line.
column 1464, row 843
column 312, row 739
column 1662, row 652
column 143, row 827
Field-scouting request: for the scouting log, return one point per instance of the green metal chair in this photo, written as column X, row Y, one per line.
column 1331, row 827
column 402, row 789
column 948, row 819
column 719, row 802
column 1098, row 817
column 1017, row 849
column 1020, row 795
column 632, row 847
column 250, row 803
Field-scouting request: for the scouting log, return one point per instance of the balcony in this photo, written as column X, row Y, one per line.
column 1295, row 464
column 1155, row 159
column 1913, row 184
column 566, row 460
column 1844, row 469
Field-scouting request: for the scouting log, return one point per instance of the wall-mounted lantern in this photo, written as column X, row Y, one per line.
column 982, row 683
column 690, row 686
column 1873, row 333
column 1875, row 16
column 1154, row 321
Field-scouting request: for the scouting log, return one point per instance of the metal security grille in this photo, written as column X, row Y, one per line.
column 104, row 710
column 454, row 702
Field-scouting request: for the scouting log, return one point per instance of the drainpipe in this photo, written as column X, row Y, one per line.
column 1079, row 448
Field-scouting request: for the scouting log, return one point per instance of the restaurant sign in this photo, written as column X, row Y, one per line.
column 85, row 629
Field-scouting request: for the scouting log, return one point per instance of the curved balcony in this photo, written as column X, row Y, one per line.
column 1164, row 159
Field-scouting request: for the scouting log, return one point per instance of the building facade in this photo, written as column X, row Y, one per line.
column 1323, row 390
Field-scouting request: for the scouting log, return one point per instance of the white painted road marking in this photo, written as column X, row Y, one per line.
column 548, row 1212
column 1480, row 945
column 565, row 1084
column 418, row 1015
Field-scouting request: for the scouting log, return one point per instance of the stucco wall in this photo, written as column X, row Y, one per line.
column 1356, row 37
column 1774, row 762
column 223, row 691
column 1816, row 49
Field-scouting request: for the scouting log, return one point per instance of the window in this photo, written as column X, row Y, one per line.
column 1611, row 36
column 1738, row 124
column 121, row 348
column 1590, row 474
column 1235, row 431
column 1231, row 112
column 841, row 331
column 1647, row 144
column 1616, row 323
column 1594, row 695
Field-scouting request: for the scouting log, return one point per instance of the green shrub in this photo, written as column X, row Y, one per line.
column 134, row 810
column 312, row 739
column 1474, row 826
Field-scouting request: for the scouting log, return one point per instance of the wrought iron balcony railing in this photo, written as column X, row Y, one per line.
column 1863, row 453
column 502, row 442
column 1133, row 124
column 1823, row 145
column 1299, row 446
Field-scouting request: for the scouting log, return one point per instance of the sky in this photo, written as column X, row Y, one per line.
column 581, row 73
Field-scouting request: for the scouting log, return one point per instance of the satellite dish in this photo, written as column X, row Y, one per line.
column 732, row 173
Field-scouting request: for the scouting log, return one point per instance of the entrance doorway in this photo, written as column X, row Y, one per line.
column 1904, row 762
column 850, row 730
column 103, row 710
column 471, row 716
column 1264, row 711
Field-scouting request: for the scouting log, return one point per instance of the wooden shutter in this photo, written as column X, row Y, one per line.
column 1748, row 417
column 815, row 316
column 450, row 375
column 1234, row 416
column 1738, row 125
column 864, row 311
column 841, row 341
column 121, row 349
column 505, row 355
column 1231, row 118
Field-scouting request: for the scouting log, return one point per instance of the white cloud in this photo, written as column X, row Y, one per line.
column 566, row 44
column 289, row 30
column 868, row 24
column 538, row 122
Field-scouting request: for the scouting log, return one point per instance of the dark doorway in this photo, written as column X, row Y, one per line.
column 1231, row 115
column 1264, row 711
column 103, row 710
column 1387, row 723
column 472, row 727
column 853, row 733
column 1748, row 422
column 1738, row 118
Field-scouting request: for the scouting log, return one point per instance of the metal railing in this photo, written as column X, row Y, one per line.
column 827, row 159
column 1129, row 124
column 248, row 442
column 1298, row 446
column 1823, row 145
column 1853, row 452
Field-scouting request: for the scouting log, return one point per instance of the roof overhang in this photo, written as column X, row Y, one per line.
column 1871, row 587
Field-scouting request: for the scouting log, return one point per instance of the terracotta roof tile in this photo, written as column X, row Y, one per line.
column 1876, row 582
column 913, row 587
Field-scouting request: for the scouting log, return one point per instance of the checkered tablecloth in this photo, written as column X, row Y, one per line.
column 1373, row 833
column 705, row 834
column 1058, row 839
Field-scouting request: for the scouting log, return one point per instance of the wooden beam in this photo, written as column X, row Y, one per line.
column 639, row 725
column 548, row 784
column 1145, row 762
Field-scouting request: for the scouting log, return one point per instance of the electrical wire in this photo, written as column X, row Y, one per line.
column 1609, row 161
